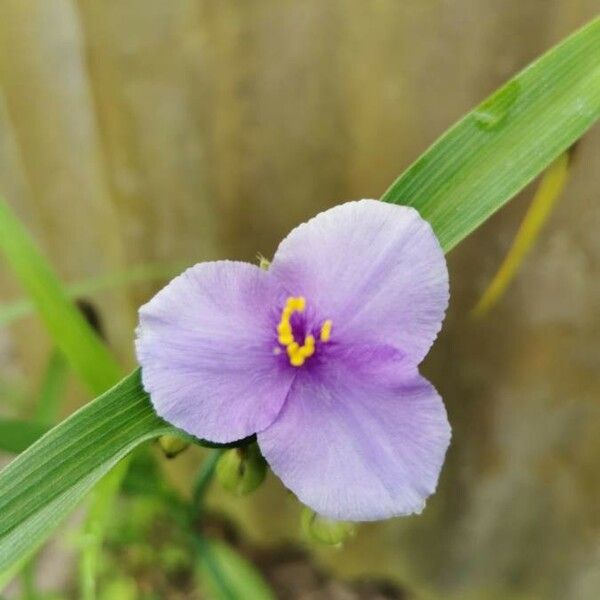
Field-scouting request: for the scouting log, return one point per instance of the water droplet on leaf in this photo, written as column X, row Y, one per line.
column 492, row 113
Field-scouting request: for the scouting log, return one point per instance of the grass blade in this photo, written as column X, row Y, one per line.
column 46, row 482
column 17, row 435
column 499, row 147
column 53, row 388
column 149, row 272
column 84, row 349
column 79, row 342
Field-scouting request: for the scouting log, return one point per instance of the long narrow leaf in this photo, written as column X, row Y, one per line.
column 498, row 148
column 46, row 482
column 81, row 345
column 53, row 389
column 83, row 348
column 17, row 435
column 149, row 272
column 72, row 334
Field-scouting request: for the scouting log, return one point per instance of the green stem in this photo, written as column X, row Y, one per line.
column 201, row 545
column 204, row 550
column 203, row 481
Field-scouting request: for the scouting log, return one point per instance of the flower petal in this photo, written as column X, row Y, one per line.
column 205, row 343
column 359, row 452
column 376, row 269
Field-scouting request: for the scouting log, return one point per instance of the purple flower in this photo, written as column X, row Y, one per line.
column 318, row 356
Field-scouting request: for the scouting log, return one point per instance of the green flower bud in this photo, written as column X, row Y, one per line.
column 172, row 445
column 325, row 531
column 241, row 470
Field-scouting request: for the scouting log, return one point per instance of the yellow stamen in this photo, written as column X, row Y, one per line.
column 297, row 360
column 326, row 330
column 284, row 329
column 294, row 304
column 298, row 353
column 295, row 354
column 308, row 348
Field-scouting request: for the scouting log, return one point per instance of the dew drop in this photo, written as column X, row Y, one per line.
column 492, row 113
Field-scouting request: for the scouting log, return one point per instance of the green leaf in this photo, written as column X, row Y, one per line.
column 148, row 272
column 43, row 484
column 52, row 391
column 86, row 353
column 226, row 575
column 81, row 345
column 83, row 348
column 17, row 435
column 499, row 147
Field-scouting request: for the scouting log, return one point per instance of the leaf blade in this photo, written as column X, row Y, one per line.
column 12, row 311
column 17, row 435
column 46, row 482
column 495, row 150
column 84, row 349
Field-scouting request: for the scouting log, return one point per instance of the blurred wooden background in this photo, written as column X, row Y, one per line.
column 138, row 130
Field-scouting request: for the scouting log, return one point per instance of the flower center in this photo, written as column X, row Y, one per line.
column 297, row 353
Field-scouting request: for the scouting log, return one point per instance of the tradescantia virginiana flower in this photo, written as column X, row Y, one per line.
column 318, row 356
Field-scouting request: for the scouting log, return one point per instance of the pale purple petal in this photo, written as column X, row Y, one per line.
column 205, row 343
column 375, row 269
column 358, row 450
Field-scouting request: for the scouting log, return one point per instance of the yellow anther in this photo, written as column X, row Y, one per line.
column 308, row 349
column 297, row 353
column 285, row 339
column 297, row 360
column 294, row 304
column 326, row 330
column 284, row 329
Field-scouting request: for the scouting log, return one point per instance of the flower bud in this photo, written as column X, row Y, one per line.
column 241, row 470
column 325, row 531
column 172, row 445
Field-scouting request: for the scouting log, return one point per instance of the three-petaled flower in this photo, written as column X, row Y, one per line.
column 318, row 356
